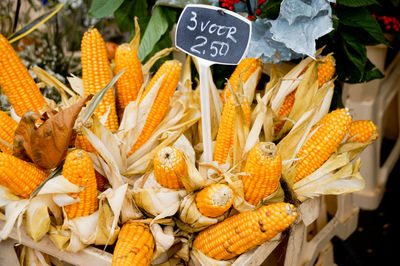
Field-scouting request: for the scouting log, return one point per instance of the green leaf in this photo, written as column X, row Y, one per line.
column 103, row 8
column 356, row 52
column 372, row 72
column 360, row 17
column 271, row 9
column 160, row 21
column 357, row 3
column 125, row 14
column 165, row 42
column 89, row 110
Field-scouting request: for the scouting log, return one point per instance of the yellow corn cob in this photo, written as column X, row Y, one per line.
column 7, row 130
column 225, row 135
column 363, row 130
column 134, row 246
column 78, row 169
column 172, row 71
column 214, row 200
column 81, row 142
column 128, row 85
column 328, row 133
column 20, row 177
column 17, row 83
column 244, row 69
column 96, row 74
column 285, row 110
column 242, row 232
column 326, row 69
column 263, row 168
column 169, row 165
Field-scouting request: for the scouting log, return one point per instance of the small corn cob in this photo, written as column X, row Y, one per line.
column 96, row 74
column 134, row 246
column 78, row 169
column 263, row 168
column 20, row 177
column 329, row 133
column 326, row 69
column 172, row 71
column 285, row 110
column 128, row 85
column 81, row 142
column 101, row 181
column 7, row 130
column 169, row 165
column 17, row 83
column 214, row 200
column 244, row 69
column 225, row 135
column 243, row 232
column 111, row 47
column 362, row 131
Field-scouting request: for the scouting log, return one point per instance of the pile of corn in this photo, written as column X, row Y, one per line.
column 134, row 178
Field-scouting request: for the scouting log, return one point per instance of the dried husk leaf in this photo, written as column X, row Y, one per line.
column 138, row 117
column 14, row 211
column 239, row 202
column 163, row 238
column 135, row 42
column 249, row 87
column 194, row 180
column 191, row 219
column 178, row 119
column 47, row 144
column 337, row 176
column 76, row 84
column 83, row 227
column 186, row 78
column 107, row 166
column 63, row 239
column 201, row 259
column 30, row 256
column 116, row 199
column 306, row 89
column 216, row 105
column 164, row 52
column 51, row 81
column 59, row 185
column 37, row 218
column 354, row 149
column 154, row 199
column 277, row 71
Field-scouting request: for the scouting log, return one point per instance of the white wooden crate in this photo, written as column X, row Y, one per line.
column 370, row 101
column 87, row 256
column 310, row 238
column 297, row 249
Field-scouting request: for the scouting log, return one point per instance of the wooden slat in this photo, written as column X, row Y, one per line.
column 87, row 256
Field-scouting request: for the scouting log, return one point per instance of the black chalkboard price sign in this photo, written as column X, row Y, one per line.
column 213, row 34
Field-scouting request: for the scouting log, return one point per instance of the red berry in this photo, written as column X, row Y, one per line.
column 258, row 12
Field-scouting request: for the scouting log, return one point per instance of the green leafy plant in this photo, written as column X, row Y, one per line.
column 354, row 29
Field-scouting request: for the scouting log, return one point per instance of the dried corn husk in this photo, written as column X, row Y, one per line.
column 164, row 239
column 155, row 199
column 239, row 202
column 344, row 178
column 29, row 256
column 191, row 219
column 201, row 259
